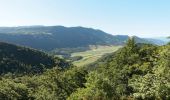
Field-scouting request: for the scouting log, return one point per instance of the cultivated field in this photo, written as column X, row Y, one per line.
column 94, row 54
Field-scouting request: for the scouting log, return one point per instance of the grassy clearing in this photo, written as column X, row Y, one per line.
column 94, row 54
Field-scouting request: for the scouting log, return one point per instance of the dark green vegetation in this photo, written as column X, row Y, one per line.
column 20, row 60
column 54, row 84
column 51, row 37
column 137, row 71
column 134, row 72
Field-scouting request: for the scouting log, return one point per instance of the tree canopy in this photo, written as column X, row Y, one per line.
column 135, row 72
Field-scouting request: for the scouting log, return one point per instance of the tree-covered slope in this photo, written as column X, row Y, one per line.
column 135, row 72
column 17, row 59
column 51, row 37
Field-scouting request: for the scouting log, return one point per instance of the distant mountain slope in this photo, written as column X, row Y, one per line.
column 16, row 59
column 156, row 41
column 51, row 37
column 149, row 41
column 164, row 39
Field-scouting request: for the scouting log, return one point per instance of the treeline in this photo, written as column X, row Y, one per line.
column 135, row 72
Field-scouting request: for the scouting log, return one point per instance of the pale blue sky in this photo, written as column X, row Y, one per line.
column 146, row 18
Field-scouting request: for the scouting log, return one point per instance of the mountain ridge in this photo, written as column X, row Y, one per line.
column 51, row 37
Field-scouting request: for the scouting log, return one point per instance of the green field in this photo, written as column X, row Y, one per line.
column 94, row 54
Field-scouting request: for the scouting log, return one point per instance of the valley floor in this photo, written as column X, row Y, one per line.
column 94, row 54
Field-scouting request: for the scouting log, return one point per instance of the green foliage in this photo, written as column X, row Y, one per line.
column 9, row 90
column 151, row 87
column 54, row 84
column 135, row 72
column 22, row 60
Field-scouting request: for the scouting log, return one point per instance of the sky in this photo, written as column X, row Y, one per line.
column 144, row 18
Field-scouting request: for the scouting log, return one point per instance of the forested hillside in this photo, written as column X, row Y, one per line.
column 52, row 37
column 16, row 59
column 136, row 71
